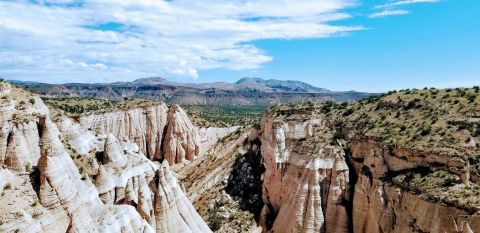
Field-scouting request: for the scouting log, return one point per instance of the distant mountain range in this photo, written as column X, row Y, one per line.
column 245, row 91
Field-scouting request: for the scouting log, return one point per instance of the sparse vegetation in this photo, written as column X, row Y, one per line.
column 414, row 119
column 7, row 186
column 224, row 115
column 441, row 122
column 75, row 106
column 438, row 185
column 215, row 219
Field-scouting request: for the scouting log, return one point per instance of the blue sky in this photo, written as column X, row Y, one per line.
column 336, row 44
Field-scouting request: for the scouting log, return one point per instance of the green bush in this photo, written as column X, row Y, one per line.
column 215, row 219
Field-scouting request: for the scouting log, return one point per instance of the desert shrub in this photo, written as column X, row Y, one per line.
column 7, row 186
column 215, row 219
column 471, row 98
column 425, row 130
column 337, row 135
column 348, row 112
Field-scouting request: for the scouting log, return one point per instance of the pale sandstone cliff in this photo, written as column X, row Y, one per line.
column 142, row 125
column 118, row 190
column 182, row 141
column 161, row 133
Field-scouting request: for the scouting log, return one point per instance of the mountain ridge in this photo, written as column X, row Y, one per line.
column 246, row 91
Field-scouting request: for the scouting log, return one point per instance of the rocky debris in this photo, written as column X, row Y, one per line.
column 206, row 179
column 182, row 141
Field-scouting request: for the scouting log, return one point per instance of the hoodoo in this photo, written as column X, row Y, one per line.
column 182, row 141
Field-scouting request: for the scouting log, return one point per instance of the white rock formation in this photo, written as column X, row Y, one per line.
column 210, row 136
column 182, row 141
column 142, row 125
column 113, row 153
column 172, row 208
column 61, row 199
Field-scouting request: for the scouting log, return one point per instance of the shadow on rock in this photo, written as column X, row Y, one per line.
column 244, row 183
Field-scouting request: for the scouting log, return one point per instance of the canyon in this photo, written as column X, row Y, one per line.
column 364, row 166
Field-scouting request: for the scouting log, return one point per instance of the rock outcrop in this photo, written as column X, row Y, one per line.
column 161, row 133
column 305, row 190
column 182, row 141
column 321, row 178
column 172, row 208
column 143, row 125
column 380, row 207
column 115, row 190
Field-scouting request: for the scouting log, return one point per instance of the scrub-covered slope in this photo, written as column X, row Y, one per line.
column 413, row 164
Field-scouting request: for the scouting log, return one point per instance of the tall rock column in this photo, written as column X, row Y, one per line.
column 304, row 189
column 182, row 140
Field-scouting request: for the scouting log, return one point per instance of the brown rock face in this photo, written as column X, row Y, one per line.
column 182, row 141
column 308, row 186
column 143, row 125
column 306, row 192
column 378, row 207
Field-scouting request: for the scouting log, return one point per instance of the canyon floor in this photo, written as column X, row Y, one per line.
column 403, row 161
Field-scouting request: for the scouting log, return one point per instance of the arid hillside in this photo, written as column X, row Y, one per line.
column 413, row 159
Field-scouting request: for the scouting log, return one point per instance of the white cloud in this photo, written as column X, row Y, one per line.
column 388, row 13
column 405, row 2
column 110, row 40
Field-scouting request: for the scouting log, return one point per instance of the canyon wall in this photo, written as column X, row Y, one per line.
column 303, row 191
column 109, row 185
column 142, row 125
column 382, row 207
column 159, row 131
column 312, row 185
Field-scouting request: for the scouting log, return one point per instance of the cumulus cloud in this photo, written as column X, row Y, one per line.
column 388, row 13
column 405, row 2
column 110, row 40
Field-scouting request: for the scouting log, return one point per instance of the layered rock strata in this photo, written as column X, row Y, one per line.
column 141, row 125
column 380, row 207
column 161, row 133
column 182, row 141
column 111, row 186
column 306, row 192
column 312, row 185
